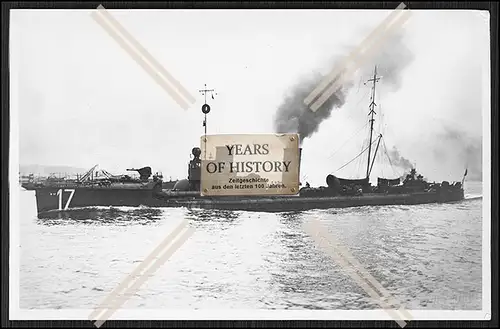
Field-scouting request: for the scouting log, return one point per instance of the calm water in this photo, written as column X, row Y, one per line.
column 428, row 257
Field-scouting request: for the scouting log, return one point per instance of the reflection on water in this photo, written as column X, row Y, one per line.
column 101, row 216
column 428, row 257
column 212, row 215
column 292, row 215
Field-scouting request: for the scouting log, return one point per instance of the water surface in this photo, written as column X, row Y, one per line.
column 427, row 256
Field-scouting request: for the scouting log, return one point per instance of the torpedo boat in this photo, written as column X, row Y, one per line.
column 409, row 189
column 339, row 193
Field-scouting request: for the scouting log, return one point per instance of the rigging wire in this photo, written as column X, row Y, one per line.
column 389, row 158
column 357, row 132
column 381, row 164
column 381, row 114
column 357, row 155
column 378, row 161
column 361, row 159
column 363, row 96
column 357, row 103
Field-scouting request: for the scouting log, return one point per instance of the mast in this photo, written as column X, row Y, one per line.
column 375, row 154
column 205, row 108
column 371, row 113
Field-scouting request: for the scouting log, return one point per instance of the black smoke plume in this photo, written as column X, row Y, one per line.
column 399, row 161
column 462, row 148
column 294, row 116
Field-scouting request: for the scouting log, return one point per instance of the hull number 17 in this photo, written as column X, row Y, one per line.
column 60, row 195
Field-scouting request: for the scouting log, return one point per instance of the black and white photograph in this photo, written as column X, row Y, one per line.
column 250, row 164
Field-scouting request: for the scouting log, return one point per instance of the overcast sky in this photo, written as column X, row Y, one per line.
column 82, row 100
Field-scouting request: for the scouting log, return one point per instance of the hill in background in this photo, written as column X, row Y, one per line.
column 43, row 170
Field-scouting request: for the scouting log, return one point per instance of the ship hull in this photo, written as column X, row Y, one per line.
column 62, row 199
column 283, row 204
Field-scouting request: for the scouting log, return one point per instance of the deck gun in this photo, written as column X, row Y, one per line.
column 144, row 172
